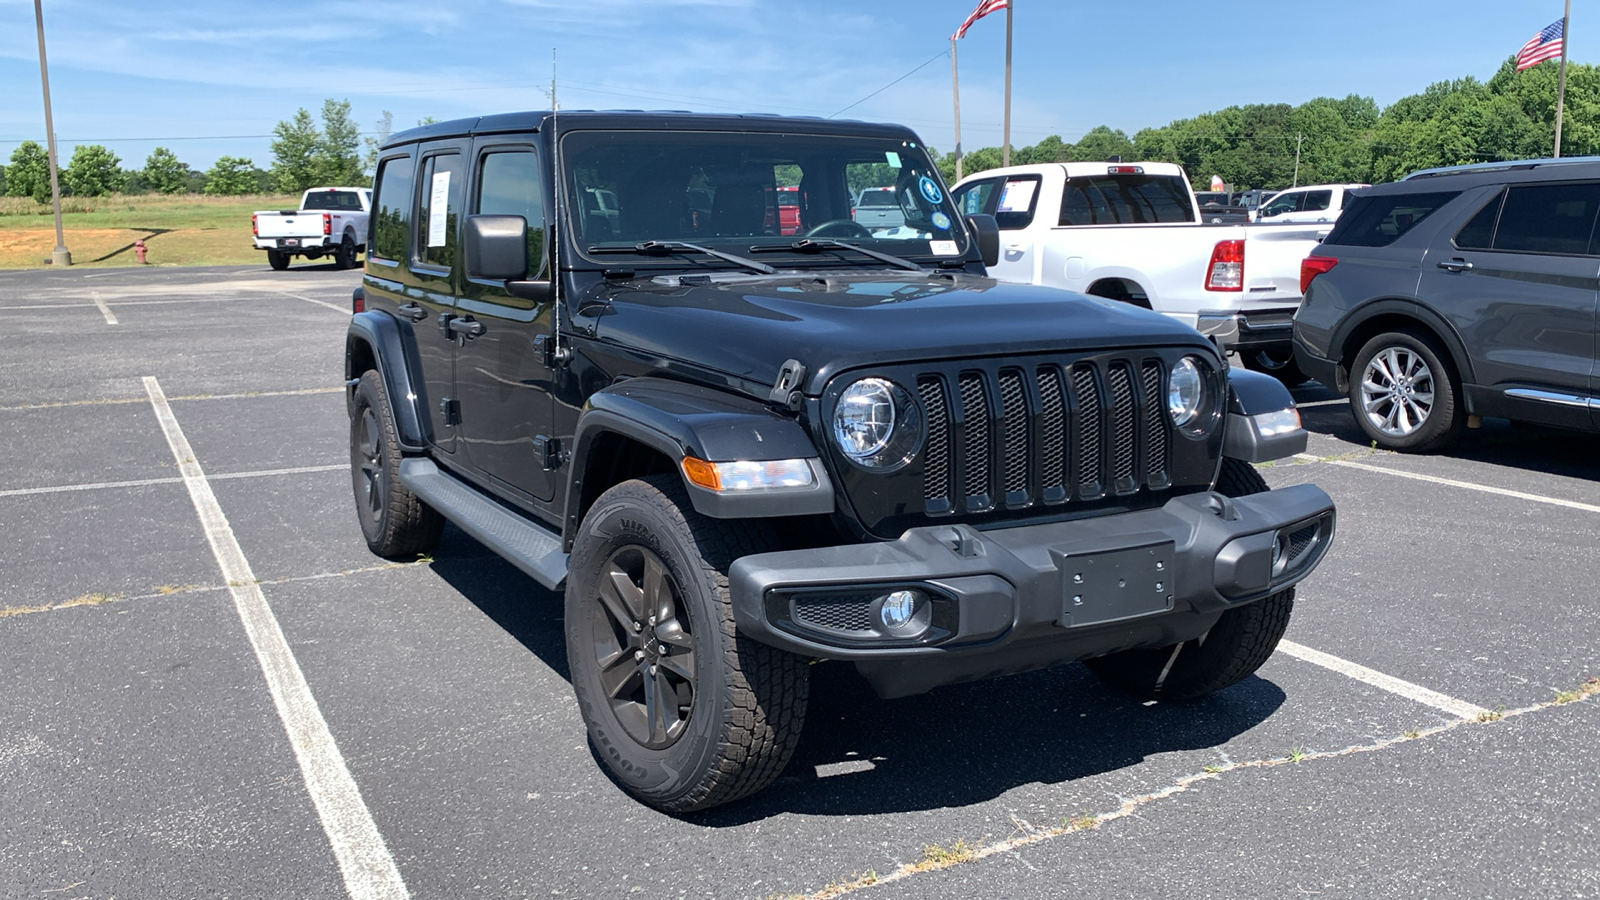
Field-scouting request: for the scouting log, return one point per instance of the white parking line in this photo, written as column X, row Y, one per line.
column 1316, row 403
column 333, row 306
column 365, row 862
column 105, row 310
column 1458, row 708
column 1467, row 485
column 143, row 482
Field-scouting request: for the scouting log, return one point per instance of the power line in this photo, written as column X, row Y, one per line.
column 940, row 55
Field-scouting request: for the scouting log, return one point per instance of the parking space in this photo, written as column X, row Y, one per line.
column 153, row 742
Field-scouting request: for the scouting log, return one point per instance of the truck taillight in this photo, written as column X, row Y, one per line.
column 1226, row 271
column 1312, row 266
column 327, row 224
column 254, row 229
column 1125, row 170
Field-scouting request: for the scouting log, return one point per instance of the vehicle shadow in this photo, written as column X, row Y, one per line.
column 953, row 746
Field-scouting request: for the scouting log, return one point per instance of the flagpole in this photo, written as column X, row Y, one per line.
column 1005, row 153
column 955, row 91
column 1561, row 80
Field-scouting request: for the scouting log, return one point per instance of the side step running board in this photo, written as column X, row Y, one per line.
column 524, row 543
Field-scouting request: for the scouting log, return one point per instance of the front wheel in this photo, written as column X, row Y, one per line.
column 684, row 712
column 1404, row 395
column 1237, row 645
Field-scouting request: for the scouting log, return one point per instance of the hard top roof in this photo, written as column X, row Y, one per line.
column 638, row 119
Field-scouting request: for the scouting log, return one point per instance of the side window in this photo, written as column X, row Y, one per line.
column 438, row 208
column 508, row 185
column 1380, row 221
column 392, row 213
column 1548, row 218
column 1283, row 203
column 1014, row 210
column 1316, row 201
column 973, row 198
column 1478, row 233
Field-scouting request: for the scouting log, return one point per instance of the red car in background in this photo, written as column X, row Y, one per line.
column 788, row 210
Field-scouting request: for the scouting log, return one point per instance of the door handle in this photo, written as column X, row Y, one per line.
column 1455, row 265
column 412, row 311
column 464, row 327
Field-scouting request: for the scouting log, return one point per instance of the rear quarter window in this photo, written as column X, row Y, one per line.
column 391, row 216
column 1379, row 221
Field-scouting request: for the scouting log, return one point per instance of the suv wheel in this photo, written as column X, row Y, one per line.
column 684, row 712
column 1279, row 364
column 1403, row 394
column 1241, row 640
column 394, row 522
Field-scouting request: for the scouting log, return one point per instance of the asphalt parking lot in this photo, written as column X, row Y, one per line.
column 213, row 690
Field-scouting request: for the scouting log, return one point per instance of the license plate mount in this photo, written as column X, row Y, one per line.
column 1111, row 585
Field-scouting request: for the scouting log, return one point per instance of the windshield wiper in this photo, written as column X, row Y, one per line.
column 669, row 247
column 817, row 245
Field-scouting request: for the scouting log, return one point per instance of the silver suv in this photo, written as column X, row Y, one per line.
column 1459, row 293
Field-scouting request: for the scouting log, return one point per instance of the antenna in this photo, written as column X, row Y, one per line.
column 556, row 212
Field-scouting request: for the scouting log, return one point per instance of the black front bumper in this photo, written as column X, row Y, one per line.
column 1012, row 599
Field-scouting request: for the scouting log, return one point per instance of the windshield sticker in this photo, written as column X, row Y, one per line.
column 943, row 248
column 436, row 208
column 941, row 221
column 1017, row 196
column 893, row 158
column 930, row 190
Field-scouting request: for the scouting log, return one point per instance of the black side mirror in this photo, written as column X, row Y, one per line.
column 496, row 248
column 986, row 231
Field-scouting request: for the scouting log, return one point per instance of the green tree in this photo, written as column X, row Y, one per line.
column 93, row 171
column 295, row 165
column 231, row 176
column 384, row 127
column 338, row 153
column 1100, row 143
column 29, row 172
column 163, row 172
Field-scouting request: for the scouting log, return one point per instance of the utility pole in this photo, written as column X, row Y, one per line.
column 60, row 256
column 955, row 91
column 1298, row 138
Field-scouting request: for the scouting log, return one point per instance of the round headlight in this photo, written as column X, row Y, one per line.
column 1185, row 391
column 876, row 424
column 863, row 422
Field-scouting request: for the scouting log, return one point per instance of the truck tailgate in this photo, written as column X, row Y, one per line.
column 284, row 224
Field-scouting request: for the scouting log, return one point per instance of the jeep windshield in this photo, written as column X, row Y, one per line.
column 784, row 194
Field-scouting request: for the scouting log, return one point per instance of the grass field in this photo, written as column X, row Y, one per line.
column 180, row 230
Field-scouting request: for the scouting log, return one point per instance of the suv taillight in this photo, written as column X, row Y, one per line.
column 1226, row 271
column 327, row 224
column 1312, row 266
column 254, row 229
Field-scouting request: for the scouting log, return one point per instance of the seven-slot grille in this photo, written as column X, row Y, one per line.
column 1010, row 436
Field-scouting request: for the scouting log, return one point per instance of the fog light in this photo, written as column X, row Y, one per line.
column 897, row 610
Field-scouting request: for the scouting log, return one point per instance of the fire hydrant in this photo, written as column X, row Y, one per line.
column 138, row 251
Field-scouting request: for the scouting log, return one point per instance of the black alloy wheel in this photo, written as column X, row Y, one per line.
column 644, row 647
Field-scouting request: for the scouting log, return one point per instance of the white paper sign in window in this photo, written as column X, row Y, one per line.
column 1017, row 196
column 437, row 215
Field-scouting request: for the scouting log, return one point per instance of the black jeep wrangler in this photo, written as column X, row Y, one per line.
column 744, row 442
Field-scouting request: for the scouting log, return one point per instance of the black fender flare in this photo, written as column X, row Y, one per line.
column 681, row 420
column 1252, row 394
column 1411, row 309
column 391, row 354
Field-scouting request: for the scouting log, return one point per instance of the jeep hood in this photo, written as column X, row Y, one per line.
column 747, row 327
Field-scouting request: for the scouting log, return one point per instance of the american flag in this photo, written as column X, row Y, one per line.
column 984, row 8
column 1542, row 46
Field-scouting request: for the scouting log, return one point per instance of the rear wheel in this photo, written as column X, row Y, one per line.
column 684, row 712
column 278, row 260
column 344, row 257
column 1404, row 395
column 395, row 523
column 1241, row 640
column 1279, row 364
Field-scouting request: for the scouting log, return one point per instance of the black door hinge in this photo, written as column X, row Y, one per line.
column 545, row 348
column 450, row 410
column 547, row 450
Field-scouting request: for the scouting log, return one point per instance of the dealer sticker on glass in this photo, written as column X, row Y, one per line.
column 943, row 248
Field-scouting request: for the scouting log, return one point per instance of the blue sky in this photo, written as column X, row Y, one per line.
column 212, row 78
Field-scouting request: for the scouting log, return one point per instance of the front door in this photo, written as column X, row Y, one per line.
column 1013, row 202
column 502, row 381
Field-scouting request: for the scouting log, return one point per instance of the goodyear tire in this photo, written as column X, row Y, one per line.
column 1241, row 640
column 684, row 712
column 395, row 523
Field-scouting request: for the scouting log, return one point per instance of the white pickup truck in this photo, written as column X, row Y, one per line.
column 1131, row 232
column 331, row 221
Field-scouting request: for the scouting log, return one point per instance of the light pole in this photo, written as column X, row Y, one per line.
column 60, row 256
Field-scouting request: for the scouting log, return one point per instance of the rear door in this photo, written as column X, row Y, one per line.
column 501, row 379
column 435, row 263
column 1519, row 283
